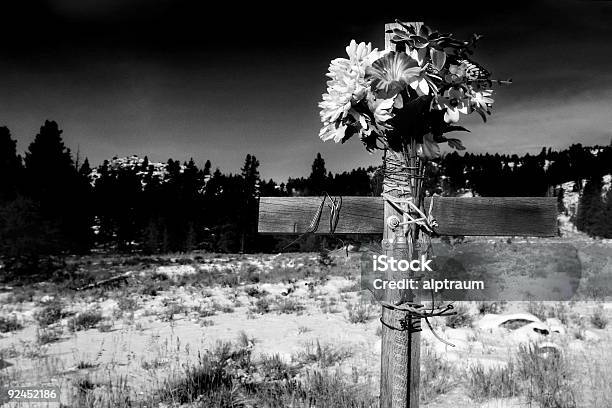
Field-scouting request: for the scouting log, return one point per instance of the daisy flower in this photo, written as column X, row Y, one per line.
column 347, row 85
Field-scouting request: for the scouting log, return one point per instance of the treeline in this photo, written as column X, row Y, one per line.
column 53, row 203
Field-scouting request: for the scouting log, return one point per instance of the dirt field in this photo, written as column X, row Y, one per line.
column 204, row 330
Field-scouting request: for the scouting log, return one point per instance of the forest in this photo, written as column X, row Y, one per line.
column 53, row 203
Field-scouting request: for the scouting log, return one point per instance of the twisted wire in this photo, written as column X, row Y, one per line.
column 402, row 188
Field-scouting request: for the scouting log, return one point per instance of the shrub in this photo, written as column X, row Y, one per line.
column 315, row 389
column 9, row 324
column 172, row 309
column 324, row 259
column 538, row 309
column 274, row 368
column 353, row 287
column 436, row 374
column 359, row 313
column 262, row 305
column 255, row 292
column 127, row 303
column 223, row 308
column 224, row 377
column 49, row 314
column 559, row 311
column 288, row 306
column 599, row 319
column 203, row 311
column 82, row 365
column 325, row 355
column 491, row 307
column 548, row 378
column 210, row 381
column 85, row 320
column 496, row 382
column 105, row 327
column 461, row 318
column 46, row 336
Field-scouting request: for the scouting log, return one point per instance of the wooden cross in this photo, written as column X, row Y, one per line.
column 478, row 216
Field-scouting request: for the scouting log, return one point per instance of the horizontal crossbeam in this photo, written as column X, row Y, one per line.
column 493, row 216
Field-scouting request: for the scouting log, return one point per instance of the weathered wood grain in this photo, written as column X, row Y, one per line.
column 511, row 216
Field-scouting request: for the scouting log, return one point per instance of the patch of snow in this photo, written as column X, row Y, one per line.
column 176, row 270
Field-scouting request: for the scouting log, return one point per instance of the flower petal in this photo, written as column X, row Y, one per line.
column 438, row 58
column 451, row 115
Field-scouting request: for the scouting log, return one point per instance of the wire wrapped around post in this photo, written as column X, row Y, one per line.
column 404, row 174
column 407, row 235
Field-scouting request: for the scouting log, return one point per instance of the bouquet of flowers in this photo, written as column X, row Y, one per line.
column 409, row 98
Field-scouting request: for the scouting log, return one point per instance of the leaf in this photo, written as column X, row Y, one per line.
column 455, row 128
column 430, row 148
column 482, row 114
column 419, row 42
column 407, row 26
column 456, row 144
column 425, row 31
column 399, row 101
column 438, row 58
column 382, row 109
column 397, row 31
column 349, row 132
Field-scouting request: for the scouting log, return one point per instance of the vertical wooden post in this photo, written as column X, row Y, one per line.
column 400, row 354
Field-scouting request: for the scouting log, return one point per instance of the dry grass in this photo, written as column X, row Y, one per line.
column 228, row 376
column 461, row 318
column 85, row 320
column 286, row 305
column 495, row 382
column 321, row 374
column 438, row 376
column 542, row 378
column 49, row 314
column 325, row 355
column 361, row 312
column 598, row 319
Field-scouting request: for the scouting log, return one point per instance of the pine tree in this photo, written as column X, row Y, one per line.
column 151, row 239
column 26, row 239
column 318, row 176
column 190, row 238
column 11, row 169
column 250, row 194
column 606, row 218
column 591, row 208
column 54, row 183
column 207, row 166
column 85, row 170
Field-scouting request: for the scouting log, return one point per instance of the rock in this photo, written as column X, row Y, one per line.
column 47, row 299
column 549, row 350
column 494, row 321
column 4, row 364
column 590, row 336
column 530, row 332
column 555, row 325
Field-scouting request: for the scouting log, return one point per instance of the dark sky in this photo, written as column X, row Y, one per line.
column 181, row 79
